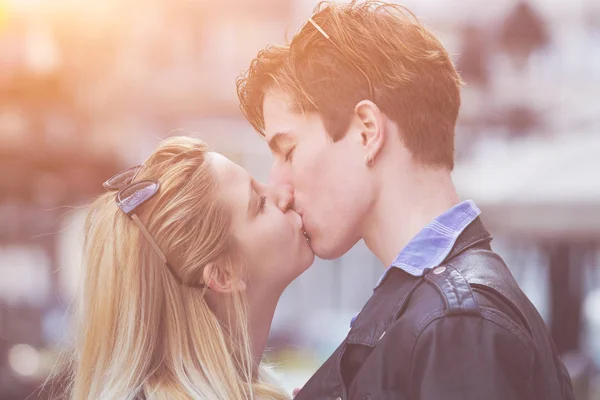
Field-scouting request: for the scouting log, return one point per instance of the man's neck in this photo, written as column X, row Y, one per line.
column 402, row 209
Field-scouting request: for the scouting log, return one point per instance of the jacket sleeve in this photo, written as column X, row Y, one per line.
column 469, row 357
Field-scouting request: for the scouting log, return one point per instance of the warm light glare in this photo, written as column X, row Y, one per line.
column 24, row 360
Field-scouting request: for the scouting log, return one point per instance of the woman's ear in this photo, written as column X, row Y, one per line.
column 220, row 280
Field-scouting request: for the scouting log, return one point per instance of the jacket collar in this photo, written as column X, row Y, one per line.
column 390, row 297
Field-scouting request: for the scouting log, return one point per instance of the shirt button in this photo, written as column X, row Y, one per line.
column 439, row 270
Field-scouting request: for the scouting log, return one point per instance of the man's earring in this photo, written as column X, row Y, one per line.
column 369, row 161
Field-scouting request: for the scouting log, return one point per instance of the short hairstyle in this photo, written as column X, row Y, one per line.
column 357, row 51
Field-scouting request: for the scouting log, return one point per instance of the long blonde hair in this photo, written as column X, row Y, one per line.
column 137, row 331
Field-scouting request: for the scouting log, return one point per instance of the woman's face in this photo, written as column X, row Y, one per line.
column 271, row 235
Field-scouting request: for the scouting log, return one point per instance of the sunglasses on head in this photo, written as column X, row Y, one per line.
column 131, row 195
column 340, row 49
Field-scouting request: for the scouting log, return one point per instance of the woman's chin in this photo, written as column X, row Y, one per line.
column 305, row 258
column 308, row 259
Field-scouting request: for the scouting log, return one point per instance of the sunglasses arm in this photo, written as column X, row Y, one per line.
column 145, row 232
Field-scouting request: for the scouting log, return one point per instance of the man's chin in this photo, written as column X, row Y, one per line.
column 326, row 251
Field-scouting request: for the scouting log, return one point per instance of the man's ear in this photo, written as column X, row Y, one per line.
column 221, row 280
column 372, row 123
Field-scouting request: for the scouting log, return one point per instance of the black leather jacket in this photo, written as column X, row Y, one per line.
column 463, row 331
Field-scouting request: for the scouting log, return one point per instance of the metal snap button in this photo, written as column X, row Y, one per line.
column 439, row 270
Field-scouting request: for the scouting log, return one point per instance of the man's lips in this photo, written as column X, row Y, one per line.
column 306, row 236
column 304, row 232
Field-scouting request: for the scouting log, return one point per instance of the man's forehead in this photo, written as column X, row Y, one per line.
column 278, row 115
column 276, row 98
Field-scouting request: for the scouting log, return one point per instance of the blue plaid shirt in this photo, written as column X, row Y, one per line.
column 433, row 243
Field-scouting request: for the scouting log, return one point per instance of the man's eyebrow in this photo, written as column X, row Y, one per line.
column 275, row 143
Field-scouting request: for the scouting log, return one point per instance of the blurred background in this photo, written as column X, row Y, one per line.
column 89, row 88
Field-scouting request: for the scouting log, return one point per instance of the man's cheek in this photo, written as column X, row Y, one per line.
column 302, row 175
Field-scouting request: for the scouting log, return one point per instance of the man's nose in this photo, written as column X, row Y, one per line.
column 283, row 196
column 279, row 176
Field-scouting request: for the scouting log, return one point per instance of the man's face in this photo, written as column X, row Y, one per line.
column 332, row 189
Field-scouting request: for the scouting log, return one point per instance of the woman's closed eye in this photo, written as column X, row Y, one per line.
column 262, row 202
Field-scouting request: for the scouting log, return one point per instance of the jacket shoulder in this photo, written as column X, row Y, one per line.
column 443, row 292
column 474, row 284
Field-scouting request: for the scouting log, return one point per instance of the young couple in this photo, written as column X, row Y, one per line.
column 186, row 256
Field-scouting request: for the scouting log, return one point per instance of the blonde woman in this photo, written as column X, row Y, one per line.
column 185, row 258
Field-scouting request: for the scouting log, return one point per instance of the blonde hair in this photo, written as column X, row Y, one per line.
column 363, row 50
column 137, row 331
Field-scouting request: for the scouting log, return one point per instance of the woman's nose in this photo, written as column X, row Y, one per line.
column 283, row 196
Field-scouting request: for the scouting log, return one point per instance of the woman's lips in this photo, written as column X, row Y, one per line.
column 305, row 233
column 306, row 236
column 301, row 225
